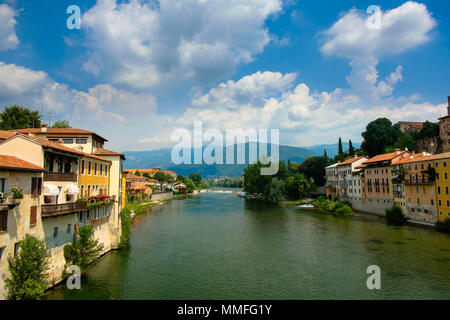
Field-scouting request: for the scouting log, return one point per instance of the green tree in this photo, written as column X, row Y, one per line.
column 17, row 117
column 429, row 130
column 160, row 176
column 314, row 168
column 28, row 270
column 351, row 150
column 274, row 191
column 196, row 177
column 84, row 248
column 379, row 134
column 138, row 173
column 325, row 153
column 405, row 141
column 190, row 186
column 63, row 124
column 254, row 182
column 298, row 185
column 341, row 149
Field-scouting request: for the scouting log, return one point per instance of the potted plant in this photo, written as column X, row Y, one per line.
column 3, row 197
column 17, row 194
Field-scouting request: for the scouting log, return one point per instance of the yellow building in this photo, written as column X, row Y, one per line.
column 442, row 167
column 94, row 176
column 123, row 190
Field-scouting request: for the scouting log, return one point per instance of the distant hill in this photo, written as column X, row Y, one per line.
column 332, row 149
column 162, row 158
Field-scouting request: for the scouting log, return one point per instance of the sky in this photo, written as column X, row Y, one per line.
column 138, row 70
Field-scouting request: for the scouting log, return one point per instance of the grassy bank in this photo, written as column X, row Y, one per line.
column 334, row 207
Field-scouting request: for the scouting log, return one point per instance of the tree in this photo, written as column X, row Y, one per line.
column 84, row 248
column 254, row 182
column 16, row 117
column 351, row 150
column 138, row 173
column 196, row 177
column 379, row 134
column 314, row 168
column 61, row 124
column 28, row 270
column 298, row 185
column 325, row 153
column 405, row 141
column 341, row 150
column 274, row 191
column 190, row 186
column 160, row 176
column 429, row 130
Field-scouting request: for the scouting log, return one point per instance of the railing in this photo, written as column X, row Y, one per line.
column 57, row 209
column 418, row 181
column 60, row 177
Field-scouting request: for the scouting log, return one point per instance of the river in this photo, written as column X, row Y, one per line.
column 219, row 246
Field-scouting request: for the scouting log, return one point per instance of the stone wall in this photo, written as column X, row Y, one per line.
column 162, row 196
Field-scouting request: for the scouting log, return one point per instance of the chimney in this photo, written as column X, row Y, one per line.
column 43, row 127
column 448, row 108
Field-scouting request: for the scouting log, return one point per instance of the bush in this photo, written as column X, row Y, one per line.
column 443, row 226
column 274, row 191
column 126, row 227
column 28, row 270
column 395, row 215
column 331, row 206
column 84, row 248
column 345, row 210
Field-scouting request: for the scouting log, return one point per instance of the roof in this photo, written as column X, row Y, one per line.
column 14, row 163
column 58, row 131
column 53, row 145
column 104, row 152
column 426, row 157
column 417, row 125
column 133, row 176
column 6, row 134
column 350, row 161
column 332, row 166
column 384, row 157
column 168, row 172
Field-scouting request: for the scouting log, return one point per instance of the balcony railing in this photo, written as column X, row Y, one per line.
column 60, row 177
column 58, row 209
column 418, row 181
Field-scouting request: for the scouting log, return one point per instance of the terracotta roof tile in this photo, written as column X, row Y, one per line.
column 350, row 161
column 6, row 134
column 383, row 157
column 133, row 176
column 422, row 158
column 14, row 163
column 104, row 152
column 417, row 125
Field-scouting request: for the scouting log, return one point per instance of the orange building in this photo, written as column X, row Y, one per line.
column 136, row 185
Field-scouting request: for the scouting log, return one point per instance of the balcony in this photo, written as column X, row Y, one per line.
column 418, row 181
column 59, row 209
column 60, row 177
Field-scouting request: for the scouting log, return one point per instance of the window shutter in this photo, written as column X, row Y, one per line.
column 39, row 191
column 33, row 216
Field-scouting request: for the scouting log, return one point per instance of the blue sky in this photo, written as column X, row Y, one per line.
column 137, row 70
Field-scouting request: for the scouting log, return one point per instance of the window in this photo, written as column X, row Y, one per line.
column 448, row 203
column 3, row 220
column 95, row 169
column 81, row 141
column 446, row 190
column 106, row 170
column 55, row 232
column 437, row 165
column 16, row 248
column 89, row 191
column 36, row 186
column 101, row 170
column 68, row 141
column 88, row 215
column 2, row 250
column 418, row 201
column 82, row 191
column 432, row 202
column 69, row 228
column 445, row 175
column 445, row 164
column 440, row 202
column 424, row 190
column 80, row 217
column 33, row 216
column 439, row 190
column 437, row 176
column 2, row 185
column 82, row 166
column 89, row 167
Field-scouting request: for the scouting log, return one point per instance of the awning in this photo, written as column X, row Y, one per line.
column 51, row 190
column 72, row 189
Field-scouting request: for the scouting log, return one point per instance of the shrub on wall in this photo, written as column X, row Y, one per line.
column 443, row 226
column 28, row 270
column 395, row 215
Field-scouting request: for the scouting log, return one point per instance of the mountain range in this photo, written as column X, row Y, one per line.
column 162, row 158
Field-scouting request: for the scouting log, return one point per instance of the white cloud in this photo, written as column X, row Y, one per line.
column 8, row 37
column 249, row 89
column 143, row 45
column 19, row 85
column 402, row 29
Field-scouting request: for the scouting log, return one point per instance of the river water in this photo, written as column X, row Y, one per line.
column 219, row 246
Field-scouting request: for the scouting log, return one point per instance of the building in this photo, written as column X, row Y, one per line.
column 409, row 126
column 137, row 185
column 444, row 129
column 442, row 169
column 378, row 181
column 332, row 182
column 18, row 217
column 349, row 184
column 419, row 188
